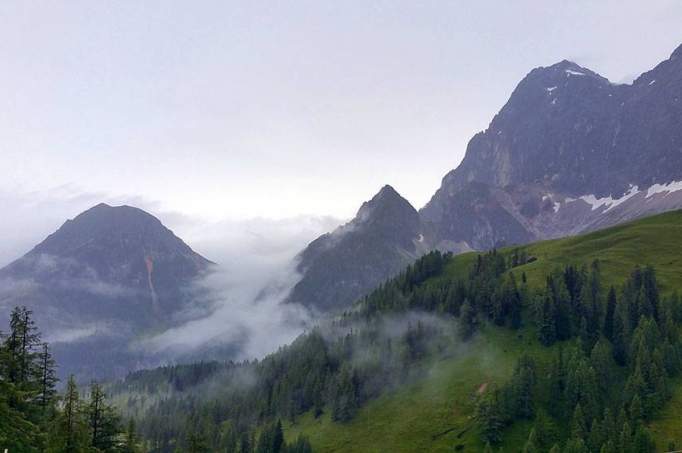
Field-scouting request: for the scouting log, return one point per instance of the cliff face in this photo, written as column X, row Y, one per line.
column 570, row 152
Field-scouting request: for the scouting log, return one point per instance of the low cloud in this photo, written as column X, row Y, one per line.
column 256, row 271
column 240, row 304
column 78, row 333
column 30, row 216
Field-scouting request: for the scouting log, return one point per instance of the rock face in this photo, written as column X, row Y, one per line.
column 103, row 278
column 568, row 153
column 340, row 266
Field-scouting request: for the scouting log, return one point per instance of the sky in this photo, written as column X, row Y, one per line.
column 229, row 111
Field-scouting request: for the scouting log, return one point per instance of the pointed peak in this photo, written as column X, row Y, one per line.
column 569, row 68
column 387, row 190
column 565, row 64
column 386, row 200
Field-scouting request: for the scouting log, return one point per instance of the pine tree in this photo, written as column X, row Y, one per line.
column 21, row 354
column 601, row 360
column 467, row 320
column 625, row 441
column 69, row 433
column 636, row 411
column 522, row 384
column 131, row 443
column 515, row 305
column 102, row 419
column 545, row 430
column 547, row 331
column 576, row 445
column 578, row 425
column 345, row 395
column 490, row 418
column 620, row 336
column 642, row 442
column 48, row 379
column 610, row 314
column 271, row 439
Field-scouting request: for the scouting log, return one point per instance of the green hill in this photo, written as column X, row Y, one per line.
column 435, row 413
column 422, row 362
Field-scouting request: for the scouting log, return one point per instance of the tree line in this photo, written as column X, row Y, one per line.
column 35, row 418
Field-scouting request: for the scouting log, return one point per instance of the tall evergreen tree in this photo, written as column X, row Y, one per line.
column 48, row 379
column 102, row 420
column 70, row 432
column 610, row 313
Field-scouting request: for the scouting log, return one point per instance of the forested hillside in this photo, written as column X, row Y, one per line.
column 567, row 345
column 34, row 418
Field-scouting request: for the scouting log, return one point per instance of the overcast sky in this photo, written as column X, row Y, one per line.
column 233, row 110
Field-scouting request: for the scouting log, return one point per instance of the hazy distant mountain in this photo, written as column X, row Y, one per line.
column 103, row 278
column 340, row 266
column 569, row 152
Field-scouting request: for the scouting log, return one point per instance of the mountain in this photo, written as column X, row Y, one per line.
column 569, row 152
column 103, row 278
column 338, row 267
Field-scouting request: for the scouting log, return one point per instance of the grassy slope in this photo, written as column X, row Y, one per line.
column 433, row 414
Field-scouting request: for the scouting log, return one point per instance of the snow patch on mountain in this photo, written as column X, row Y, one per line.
column 671, row 187
column 609, row 201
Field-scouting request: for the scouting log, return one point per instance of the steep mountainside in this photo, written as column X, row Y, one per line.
column 341, row 266
column 569, row 152
column 102, row 278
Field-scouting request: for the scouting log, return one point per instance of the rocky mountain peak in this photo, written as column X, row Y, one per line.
column 121, row 246
column 387, row 208
column 384, row 236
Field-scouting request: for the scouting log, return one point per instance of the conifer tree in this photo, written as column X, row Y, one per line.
column 578, row 425
column 70, row 433
column 547, row 329
column 611, row 302
column 102, row 420
column 467, row 320
column 490, row 418
column 48, row 379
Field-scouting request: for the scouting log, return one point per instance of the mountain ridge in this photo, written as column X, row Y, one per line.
column 569, row 152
